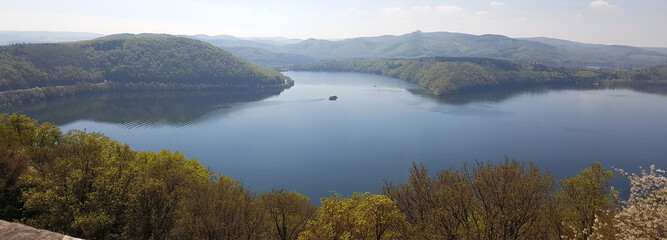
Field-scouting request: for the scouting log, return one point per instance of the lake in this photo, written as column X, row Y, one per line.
column 300, row 141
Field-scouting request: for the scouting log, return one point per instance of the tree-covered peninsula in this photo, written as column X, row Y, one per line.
column 447, row 75
column 125, row 61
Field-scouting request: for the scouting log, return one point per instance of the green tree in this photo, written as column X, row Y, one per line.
column 16, row 134
column 22, row 142
column 511, row 199
column 416, row 200
column 287, row 213
column 586, row 197
column 84, row 190
column 490, row 201
column 455, row 216
column 164, row 182
column 362, row 216
column 218, row 209
column 14, row 162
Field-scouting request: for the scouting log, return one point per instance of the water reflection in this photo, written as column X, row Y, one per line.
column 498, row 94
column 181, row 108
column 175, row 108
column 659, row 90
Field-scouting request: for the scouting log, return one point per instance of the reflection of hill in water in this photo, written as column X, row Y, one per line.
column 659, row 90
column 178, row 108
column 503, row 93
column 136, row 108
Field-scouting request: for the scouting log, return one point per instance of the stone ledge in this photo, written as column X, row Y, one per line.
column 16, row 231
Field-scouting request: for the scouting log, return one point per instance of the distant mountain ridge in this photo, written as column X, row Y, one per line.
column 277, row 51
column 268, row 58
column 232, row 41
column 260, row 51
column 419, row 44
column 548, row 51
column 657, row 49
column 14, row 37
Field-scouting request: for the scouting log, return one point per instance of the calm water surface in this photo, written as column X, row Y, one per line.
column 298, row 140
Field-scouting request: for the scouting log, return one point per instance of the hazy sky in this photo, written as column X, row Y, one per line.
column 628, row 22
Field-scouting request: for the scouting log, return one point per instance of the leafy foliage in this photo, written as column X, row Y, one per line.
column 287, row 213
column 84, row 189
column 363, row 216
column 504, row 201
column 218, row 209
column 646, row 76
column 587, row 198
column 22, row 142
column 165, row 179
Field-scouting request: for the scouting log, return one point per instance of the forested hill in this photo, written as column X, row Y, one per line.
column 444, row 75
column 420, row 44
column 552, row 52
column 130, row 59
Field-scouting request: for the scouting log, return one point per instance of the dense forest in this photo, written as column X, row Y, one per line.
column 86, row 185
column 444, row 75
column 125, row 61
column 645, row 76
column 447, row 75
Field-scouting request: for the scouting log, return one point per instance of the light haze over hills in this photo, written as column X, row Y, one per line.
column 618, row 22
column 278, row 51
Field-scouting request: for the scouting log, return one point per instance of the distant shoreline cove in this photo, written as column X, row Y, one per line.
column 19, row 96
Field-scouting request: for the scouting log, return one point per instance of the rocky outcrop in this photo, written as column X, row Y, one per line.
column 16, row 231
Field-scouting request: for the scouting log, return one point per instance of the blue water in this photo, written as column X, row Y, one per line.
column 299, row 140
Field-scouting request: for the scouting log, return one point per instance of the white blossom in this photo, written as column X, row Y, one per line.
column 644, row 214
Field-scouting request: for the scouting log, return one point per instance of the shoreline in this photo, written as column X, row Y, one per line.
column 10, row 97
